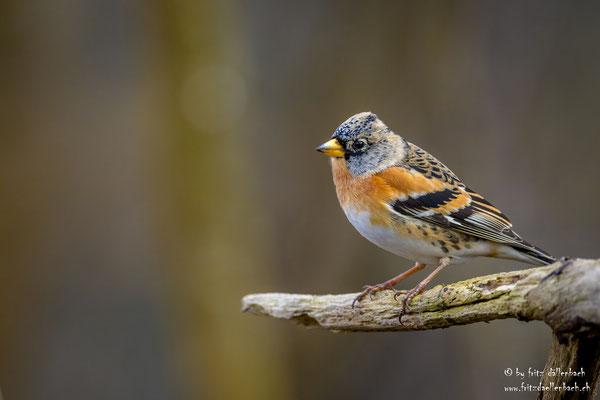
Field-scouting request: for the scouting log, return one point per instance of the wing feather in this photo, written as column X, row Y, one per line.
column 426, row 189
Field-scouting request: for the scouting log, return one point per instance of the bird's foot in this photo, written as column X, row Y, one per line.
column 369, row 290
column 404, row 305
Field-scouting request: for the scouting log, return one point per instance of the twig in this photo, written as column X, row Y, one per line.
column 565, row 295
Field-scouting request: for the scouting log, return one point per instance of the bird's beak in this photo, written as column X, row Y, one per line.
column 333, row 148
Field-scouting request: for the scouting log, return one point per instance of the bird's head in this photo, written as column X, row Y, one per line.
column 366, row 144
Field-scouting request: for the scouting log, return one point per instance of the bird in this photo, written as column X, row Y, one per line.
column 402, row 199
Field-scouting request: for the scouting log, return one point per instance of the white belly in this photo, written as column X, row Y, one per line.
column 390, row 240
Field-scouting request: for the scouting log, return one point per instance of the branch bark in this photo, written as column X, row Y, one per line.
column 565, row 295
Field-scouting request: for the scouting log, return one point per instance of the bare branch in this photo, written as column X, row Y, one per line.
column 566, row 295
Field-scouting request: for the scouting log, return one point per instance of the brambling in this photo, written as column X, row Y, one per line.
column 405, row 201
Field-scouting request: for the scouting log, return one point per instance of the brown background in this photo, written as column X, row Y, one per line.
column 157, row 164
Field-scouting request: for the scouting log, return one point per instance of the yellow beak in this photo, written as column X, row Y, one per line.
column 333, row 148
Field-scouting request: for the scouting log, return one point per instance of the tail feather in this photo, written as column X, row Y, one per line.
column 535, row 254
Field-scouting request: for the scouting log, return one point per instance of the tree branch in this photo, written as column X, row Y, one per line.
column 565, row 295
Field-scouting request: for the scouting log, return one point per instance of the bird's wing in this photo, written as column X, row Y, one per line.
column 423, row 188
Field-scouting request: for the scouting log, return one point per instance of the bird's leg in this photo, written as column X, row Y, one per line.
column 387, row 285
column 421, row 286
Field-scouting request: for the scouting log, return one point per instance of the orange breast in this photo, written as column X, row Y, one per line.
column 357, row 194
column 353, row 191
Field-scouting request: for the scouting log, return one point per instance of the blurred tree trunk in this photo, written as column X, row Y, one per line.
column 85, row 215
column 81, row 289
column 218, row 247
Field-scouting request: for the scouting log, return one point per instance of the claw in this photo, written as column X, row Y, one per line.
column 372, row 289
column 404, row 308
column 387, row 285
column 420, row 287
column 398, row 293
column 357, row 298
column 400, row 314
column 403, row 311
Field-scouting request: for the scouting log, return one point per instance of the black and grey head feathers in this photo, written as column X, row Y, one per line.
column 369, row 145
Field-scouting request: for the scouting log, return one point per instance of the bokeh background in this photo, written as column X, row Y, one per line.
column 157, row 164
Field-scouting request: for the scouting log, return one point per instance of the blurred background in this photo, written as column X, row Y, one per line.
column 158, row 163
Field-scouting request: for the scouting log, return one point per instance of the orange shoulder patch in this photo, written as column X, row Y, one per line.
column 405, row 182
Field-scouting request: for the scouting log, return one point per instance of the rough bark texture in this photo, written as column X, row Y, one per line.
column 574, row 361
column 565, row 295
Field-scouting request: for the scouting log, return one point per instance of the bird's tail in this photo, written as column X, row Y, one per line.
column 534, row 254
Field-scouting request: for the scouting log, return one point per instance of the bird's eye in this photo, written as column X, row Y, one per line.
column 359, row 144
